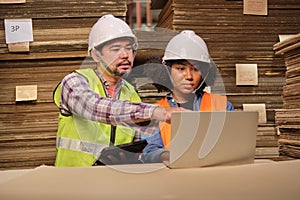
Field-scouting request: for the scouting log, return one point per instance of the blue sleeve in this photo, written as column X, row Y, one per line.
column 229, row 106
column 155, row 147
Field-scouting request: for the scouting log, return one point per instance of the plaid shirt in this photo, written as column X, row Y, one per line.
column 78, row 98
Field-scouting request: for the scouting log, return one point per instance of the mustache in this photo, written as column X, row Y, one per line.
column 125, row 60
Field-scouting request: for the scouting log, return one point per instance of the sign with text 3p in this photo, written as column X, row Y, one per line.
column 18, row 30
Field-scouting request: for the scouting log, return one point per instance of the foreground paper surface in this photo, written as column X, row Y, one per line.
column 273, row 180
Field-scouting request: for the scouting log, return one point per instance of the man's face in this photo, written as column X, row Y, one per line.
column 118, row 56
column 186, row 76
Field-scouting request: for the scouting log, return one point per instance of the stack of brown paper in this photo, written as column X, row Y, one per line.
column 288, row 118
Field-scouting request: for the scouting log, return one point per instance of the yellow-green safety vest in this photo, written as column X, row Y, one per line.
column 79, row 141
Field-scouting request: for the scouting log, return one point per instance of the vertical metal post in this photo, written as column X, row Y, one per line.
column 130, row 13
column 148, row 14
column 138, row 15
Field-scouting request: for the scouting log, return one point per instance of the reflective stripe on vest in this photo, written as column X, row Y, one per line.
column 80, row 145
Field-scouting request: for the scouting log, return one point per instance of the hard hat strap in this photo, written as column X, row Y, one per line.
column 105, row 65
column 168, row 71
column 203, row 79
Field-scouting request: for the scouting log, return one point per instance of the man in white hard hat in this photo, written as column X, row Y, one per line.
column 97, row 107
column 190, row 69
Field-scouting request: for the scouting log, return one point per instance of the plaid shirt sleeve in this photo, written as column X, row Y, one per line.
column 78, row 98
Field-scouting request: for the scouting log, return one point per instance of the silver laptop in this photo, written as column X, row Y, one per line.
column 200, row 139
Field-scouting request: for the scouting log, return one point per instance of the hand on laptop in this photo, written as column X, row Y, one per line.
column 164, row 114
column 165, row 156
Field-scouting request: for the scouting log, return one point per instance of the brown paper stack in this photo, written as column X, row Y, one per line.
column 288, row 118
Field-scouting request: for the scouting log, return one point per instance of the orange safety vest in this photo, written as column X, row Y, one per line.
column 209, row 102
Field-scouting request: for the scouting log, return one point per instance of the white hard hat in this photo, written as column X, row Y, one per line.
column 187, row 45
column 108, row 28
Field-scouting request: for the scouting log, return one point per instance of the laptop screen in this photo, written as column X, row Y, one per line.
column 212, row 138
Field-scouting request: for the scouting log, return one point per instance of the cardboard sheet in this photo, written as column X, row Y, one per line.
column 267, row 180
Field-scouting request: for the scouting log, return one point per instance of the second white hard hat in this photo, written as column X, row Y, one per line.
column 187, row 45
column 108, row 28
